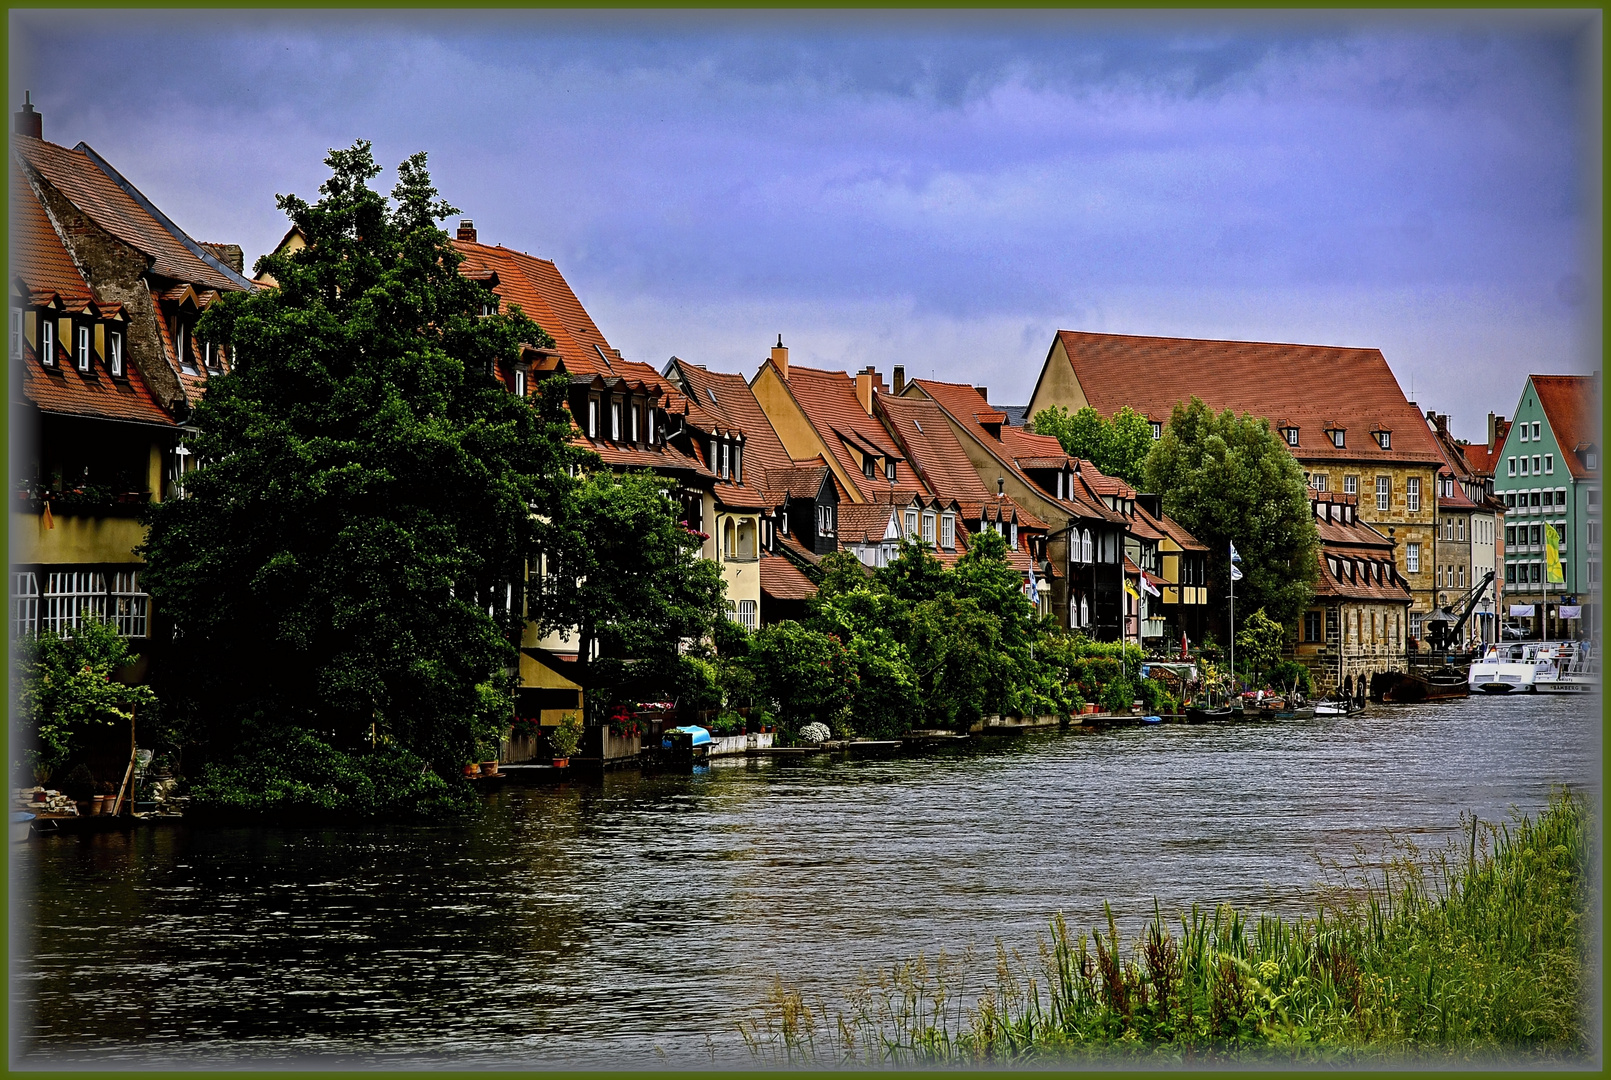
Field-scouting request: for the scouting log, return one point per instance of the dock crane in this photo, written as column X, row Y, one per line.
column 1440, row 634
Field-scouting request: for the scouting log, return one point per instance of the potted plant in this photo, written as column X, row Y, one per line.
column 565, row 738
column 472, row 768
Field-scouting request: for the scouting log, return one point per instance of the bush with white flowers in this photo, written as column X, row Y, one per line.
column 815, row 733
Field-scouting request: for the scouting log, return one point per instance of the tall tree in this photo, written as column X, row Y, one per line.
column 350, row 557
column 626, row 575
column 1119, row 447
column 1228, row 479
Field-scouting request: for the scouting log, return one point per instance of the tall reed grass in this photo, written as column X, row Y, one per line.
column 1474, row 953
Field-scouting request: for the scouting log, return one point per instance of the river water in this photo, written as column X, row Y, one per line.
column 630, row 920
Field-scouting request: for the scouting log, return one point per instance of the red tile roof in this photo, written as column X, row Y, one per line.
column 828, row 399
column 538, row 288
column 729, row 401
column 1314, row 387
column 1571, row 405
column 1479, row 459
column 931, row 446
column 782, row 580
column 37, row 255
column 78, row 175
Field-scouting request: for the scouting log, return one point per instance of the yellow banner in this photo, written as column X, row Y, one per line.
column 1131, row 589
column 1552, row 556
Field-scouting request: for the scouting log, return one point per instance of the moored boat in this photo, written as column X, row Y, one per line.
column 1414, row 687
column 1573, row 669
column 1515, row 666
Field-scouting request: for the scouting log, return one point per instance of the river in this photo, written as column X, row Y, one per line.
column 629, row 920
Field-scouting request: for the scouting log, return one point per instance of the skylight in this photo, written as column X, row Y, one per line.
column 918, row 424
column 712, row 394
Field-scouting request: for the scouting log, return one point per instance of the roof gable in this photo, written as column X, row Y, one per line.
column 1570, row 405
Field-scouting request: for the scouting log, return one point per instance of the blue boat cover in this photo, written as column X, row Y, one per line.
column 700, row 735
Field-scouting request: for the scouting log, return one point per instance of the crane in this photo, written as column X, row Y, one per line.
column 1440, row 634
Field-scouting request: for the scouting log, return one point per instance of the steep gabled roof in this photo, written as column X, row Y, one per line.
column 931, row 446
column 782, row 580
column 728, row 399
column 828, row 400
column 1570, row 405
column 1314, row 387
column 543, row 294
column 117, row 206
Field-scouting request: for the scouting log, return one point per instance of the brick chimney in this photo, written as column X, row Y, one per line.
column 780, row 358
column 900, row 379
column 1496, row 430
column 467, row 230
column 984, row 392
column 27, row 121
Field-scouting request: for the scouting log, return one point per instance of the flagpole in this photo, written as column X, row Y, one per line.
column 1233, row 619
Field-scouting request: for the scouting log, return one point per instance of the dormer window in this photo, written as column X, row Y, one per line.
column 634, row 423
column 889, row 469
column 825, row 521
column 81, row 347
column 210, row 356
column 911, row 523
column 592, row 418
column 1337, row 436
column 489, row 307
column 928, row 529
column 1157, row 430
column 1290, row 434
column 1591, row 460
column 738, row 463
column 520, row 382
column 651, row 426
column 948, row 531
column 615, row 420
column 16, row 338
column 114, row 353
column 47, row 341
column 1384, row 439
column 868, row 466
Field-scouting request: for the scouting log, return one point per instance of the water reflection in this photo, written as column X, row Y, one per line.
column 628, row 920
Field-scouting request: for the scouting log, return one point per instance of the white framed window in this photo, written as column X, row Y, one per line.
column 114, row 352
column 948, row 531
column 1412, row 558
column 1157, row 430
column 130, row 606
column 1087, row 549
column 1524, row 432
column 746, row 614
column 1384, row 439
column 1524, row 465
column 615, row 421
column 868, row 466
column 1460, row 529
column 1536, row 470
column 1338, row 437
column 650, row 421
column 1535, row 431
column 1412, row 494
column 71, row 597
column 47, row 341
column 825, row 522
column 1318, row 481
column 592, row 418
column 738, row 463
column 520, row 382
column 1511, row 466
column 889, row 469
column 1350, row 485
column 24, row 605
column 726, row 456
column 1384, row 492
column 181, row 341
column 928, row 529
column 210, row 355
column 910, row 524
column 1012, row 535
column 1291, row 434
column 16, row 339
column 1549, row 464
column 81, row 347
column 634, row 423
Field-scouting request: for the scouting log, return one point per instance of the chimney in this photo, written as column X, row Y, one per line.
column 780, row 358
column 984, row 392
column 864, row 388
column 1495, row 423
column 900, row 379
column 26, row 121
column 467, row 230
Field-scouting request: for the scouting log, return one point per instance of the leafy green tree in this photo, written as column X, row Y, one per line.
column 350, row 557
column 1228, row 478
column 625, row 575
column 805, row 674
column 1118, row 447
column 66, row 687
column 1258, row 643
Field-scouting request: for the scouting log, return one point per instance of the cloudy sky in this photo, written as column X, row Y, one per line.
column 940, row 191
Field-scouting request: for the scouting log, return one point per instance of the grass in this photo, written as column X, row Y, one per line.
column 1474, row 954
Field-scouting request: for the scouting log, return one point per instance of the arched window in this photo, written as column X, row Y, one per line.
column 730, row 538
column 1085, row 613
column 1086, row 553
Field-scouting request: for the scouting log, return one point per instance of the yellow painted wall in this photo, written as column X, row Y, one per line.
column 1057, row 384
column 74, row 539
column 535, row 674
column 794, row 429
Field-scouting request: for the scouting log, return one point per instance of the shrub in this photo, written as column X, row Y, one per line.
column 567, row 736
column 1286, row 672
column 806, row 675
column 1118, row 696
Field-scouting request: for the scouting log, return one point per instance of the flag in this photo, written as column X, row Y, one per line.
column 1552, row 556
column 50, row 522
column 1149, row 586
column 1034, row 586
column 1236, row 572
column 1235, row 558
column 1131, row 589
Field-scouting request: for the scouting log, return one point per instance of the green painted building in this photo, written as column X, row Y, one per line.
column 1548, row 472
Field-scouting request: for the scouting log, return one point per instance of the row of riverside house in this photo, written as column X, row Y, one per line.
column 778, row 469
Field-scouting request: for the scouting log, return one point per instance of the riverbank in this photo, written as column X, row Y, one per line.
column 1469, row 956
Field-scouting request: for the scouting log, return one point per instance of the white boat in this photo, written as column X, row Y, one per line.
column 1517, row 666
column 1574, row 670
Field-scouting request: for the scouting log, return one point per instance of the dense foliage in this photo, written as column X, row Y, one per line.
column 65, row 687
column 1231, row 479
column 1118, row 447
column 349, row 558
column 1479, row 955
